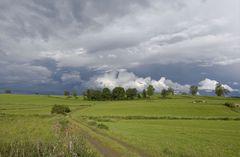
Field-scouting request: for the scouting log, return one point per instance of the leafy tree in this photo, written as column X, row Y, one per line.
column 106, row 94
column 139, row 96
column 88, row 94
column 66, row 93
column 118, row 93
column 92, row 94
column 194, row 90
column 220, row 90
column 144, row 94
column 97, row 95
column 74, row 93
column 170, row 91
column 8, row 91
column 150, row 90
column 164, row 93
column 131, row 93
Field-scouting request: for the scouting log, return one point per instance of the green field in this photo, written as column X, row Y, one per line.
column 172, row 127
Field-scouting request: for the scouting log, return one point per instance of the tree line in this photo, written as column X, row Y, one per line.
column 119, row 93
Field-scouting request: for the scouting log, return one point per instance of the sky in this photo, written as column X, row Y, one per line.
column 51, row 46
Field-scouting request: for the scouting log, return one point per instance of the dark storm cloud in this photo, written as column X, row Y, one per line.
column 73, row 40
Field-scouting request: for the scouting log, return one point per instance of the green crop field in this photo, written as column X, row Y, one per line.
column 178, row 126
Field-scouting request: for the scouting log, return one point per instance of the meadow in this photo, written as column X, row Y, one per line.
column 185, row 126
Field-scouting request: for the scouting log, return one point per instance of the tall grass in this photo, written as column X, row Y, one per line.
column 67, row 143
column 74, row 147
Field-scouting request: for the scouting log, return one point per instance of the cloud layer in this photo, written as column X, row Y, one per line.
column 112, row 34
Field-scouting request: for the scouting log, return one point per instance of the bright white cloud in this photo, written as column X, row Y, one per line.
column 209, row 85
column 127, row 79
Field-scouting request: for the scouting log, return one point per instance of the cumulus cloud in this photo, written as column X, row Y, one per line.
column 127, row 79
column 209, row 85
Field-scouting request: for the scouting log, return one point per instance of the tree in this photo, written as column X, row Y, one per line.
column 144, row 94
column 139, row 96
column 118, row 93
column 220, row 90
column 194, row 90
column 131, row 93
column 92, row 94
column 8, row 91
column 66, row 93
column 74, row 93
column 164, row 93
column 106, row 94
column 170, row 91
column 87, row 94
column 150, row 90
column 97, row 95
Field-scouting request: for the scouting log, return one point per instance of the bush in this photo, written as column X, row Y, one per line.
column 60, row 109
column 231, row 105
column 102, row 126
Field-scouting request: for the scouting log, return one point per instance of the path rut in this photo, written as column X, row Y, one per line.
column 108, row 152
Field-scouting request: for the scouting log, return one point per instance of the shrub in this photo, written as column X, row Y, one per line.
column 60, row 109
column 102, row 126
column 231, row 105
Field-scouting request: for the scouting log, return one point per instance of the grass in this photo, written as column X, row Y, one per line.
column 184, row 126
column 40, row 136
column 31, row 130
column 179, row 137
column 36, row 104
column 176, row 107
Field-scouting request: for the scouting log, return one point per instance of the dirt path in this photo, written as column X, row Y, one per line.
column 96, row 143
column 105, row 151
